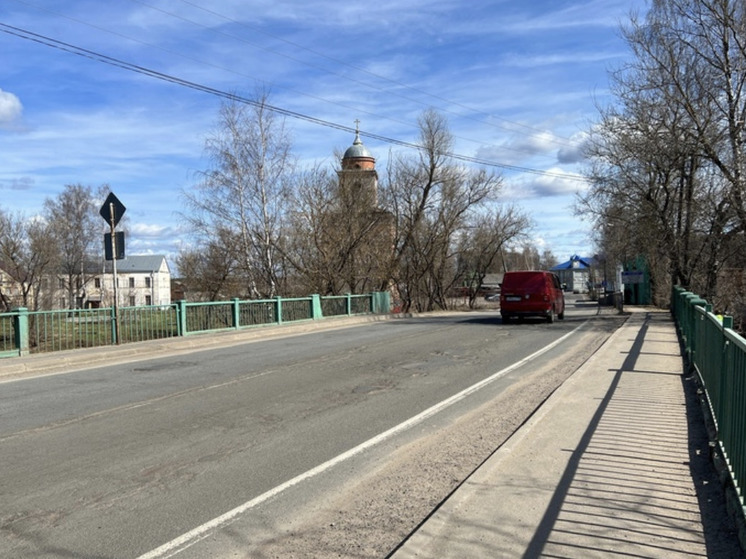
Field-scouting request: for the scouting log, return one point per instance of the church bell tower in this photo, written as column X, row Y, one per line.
column 358, row 178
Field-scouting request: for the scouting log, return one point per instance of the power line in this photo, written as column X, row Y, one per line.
column 534, row 131
column 222, row 68
column 98, row 57
column 358, row 110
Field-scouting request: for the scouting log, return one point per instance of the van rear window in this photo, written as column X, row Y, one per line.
column 528, row 280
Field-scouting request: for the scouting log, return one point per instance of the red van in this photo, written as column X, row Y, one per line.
column 533, row 293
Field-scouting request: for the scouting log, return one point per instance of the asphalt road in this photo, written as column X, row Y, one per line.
column 122, row 460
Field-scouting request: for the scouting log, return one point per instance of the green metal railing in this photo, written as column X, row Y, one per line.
column 718, row 355
column 346, row 304
column 23, row 331
column 8, row 341
column 297, row 309
column 69, row 329
column 204, row 317
column 139, row 324
column 257, row 313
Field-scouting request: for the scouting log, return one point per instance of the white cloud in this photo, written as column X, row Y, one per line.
column 520, row 149
column 571, row 154
column 537, row 150
column 10, row 108
column 148, row 230
column 521, row 60
column 543, row 186
column 594, row 13
column 21, row 183
column 574, row 152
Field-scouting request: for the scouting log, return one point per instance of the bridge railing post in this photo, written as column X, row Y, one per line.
column 21, row 331
column 278, row 309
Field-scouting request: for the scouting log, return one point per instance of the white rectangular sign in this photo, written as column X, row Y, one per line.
column 634, row 276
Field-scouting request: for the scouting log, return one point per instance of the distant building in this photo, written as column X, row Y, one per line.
column 358, row 177
column 141, row 280
column 577, row 274
column 10, row 291
column 492, row 282
column 357, row 213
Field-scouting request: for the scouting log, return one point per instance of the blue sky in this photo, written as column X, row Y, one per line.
column 519, row 83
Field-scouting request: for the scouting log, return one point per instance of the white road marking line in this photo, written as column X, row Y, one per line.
column 199, row 533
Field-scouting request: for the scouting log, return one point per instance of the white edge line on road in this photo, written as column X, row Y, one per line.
column 192, row 537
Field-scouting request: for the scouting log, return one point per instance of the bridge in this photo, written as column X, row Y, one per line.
column 591, row 469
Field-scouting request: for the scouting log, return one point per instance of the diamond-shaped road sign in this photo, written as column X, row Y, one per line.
column 112, row 210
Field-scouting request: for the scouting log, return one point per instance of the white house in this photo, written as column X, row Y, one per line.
column 576, row 273
column 10, row 291
column 141, row 280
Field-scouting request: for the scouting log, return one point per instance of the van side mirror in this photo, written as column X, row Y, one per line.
column 564, row 287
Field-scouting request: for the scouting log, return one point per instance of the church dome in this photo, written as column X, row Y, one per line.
column 357, row 149
column 357, row 157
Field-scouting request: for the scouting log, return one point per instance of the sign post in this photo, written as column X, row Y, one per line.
column 112, row 211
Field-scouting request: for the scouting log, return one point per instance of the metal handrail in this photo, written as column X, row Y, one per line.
column 717, row 354
column 23, row 331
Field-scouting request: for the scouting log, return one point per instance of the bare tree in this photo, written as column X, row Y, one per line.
column 209, row 272
column 338, row 239
column 243, row 194
column 310, row 238
column 642, row 193
column 482, row 244
column 669, row 158
column 27, row 255
column 697, row 49
column 548, row 260
column 431, row 201
column 75, row 228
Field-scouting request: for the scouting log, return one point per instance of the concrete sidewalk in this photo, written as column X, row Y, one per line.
column 602, row 469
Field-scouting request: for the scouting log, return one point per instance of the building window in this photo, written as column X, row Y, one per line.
column 132, row 282
column 97, row 283
column 61, row 283
column 147, row 281
column 132, row 300
column 148, row 300
column 63, row 303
